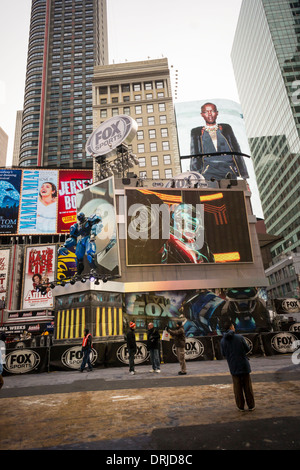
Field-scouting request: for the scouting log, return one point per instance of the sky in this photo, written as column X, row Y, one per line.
column 196, row 37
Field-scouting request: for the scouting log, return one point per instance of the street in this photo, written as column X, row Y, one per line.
column 108, row 409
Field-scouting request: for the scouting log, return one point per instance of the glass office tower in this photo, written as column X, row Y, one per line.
column 67, row 39
column 266, row 62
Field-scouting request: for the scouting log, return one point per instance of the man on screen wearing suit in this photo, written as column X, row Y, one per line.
column 213, row 138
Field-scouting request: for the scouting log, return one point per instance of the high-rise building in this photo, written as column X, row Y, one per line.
column 141, row 90
column 17, row 139
column 3, row 147
column 266, row 62
column 67, row 39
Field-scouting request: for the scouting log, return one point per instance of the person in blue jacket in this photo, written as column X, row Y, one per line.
column 235, row 348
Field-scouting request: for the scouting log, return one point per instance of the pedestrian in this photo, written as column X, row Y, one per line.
column 235, row 348
column 153, row 346
column 131, row 346
column 179, row 342
column 86, row 349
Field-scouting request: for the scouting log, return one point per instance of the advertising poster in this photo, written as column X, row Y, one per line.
column 181, row 226
column 10, row 187
column 98, row 201
column 66, row 265
column 70, row 181
column 38, row 210
column 39, row 270
column 207, row 128
column 203, row 312
column 4, row 264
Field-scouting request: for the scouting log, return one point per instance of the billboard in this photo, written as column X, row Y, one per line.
column 186, row 227
column 34, row 201
column 4, row 264
column 10, row 188
column 210, row 131
column 99, row 200
column 70, row 181
column 39, row 269
column 203, row 312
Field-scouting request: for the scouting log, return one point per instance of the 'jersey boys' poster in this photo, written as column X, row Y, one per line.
column 70, row 181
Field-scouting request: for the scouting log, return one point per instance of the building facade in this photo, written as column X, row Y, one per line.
column 67, row 38
column 266, row 62
column 141, row 90
column 3, row 147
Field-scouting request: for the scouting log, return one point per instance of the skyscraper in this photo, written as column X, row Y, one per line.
column 266, row 62
column 67, row 39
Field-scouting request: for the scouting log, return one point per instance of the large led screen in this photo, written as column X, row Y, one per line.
column 186, row 227
column 210, row 131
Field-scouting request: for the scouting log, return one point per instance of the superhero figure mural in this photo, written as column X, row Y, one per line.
column 82, row 235
column 94, row 234
column 202, row 312
column 205, row 312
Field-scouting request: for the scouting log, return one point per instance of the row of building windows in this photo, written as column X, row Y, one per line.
column 125, row 88
column 137, row 110
column 155, row 160
column 155, row 174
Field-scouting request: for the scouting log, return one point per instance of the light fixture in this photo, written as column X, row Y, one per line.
column 72, row 281
column 83, row 279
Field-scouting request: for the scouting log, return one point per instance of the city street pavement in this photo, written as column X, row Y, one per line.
column 110, row 410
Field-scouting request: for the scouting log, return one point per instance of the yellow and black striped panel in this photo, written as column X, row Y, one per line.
column 105, row 321
column 70, row 323
column 109, row 321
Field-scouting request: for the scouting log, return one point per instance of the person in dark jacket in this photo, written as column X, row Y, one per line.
column 214, row 138
column 131, row 346
column 153, row 347
column 235, row 348
column 86, row 349
column 179, row 343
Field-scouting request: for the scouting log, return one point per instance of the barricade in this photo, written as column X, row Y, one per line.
column 68, row 357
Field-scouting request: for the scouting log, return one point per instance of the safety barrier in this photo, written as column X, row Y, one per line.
column 68, row 357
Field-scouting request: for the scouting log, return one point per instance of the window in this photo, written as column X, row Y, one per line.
column 126, row 110
column 137, row 97
column 159, row 84
column 148, row 86
column 143, row 174
column 154, row 161
column 151, row 120
column 153, row 147
column 139, row 121
column 103, row 113
column 141, row 148
column 161, row 107
column 149, row 96
column 164, row 132
column 150, row 108
column 115, row 111
column 152, row 134
column 125, row 88
column 163, row 119
column 155, row 174
column 166, row 145
column 168, row 173
column 167, row 159
column 137, row 87
column 142, row 161
column 138, row 109
column 140, row 135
